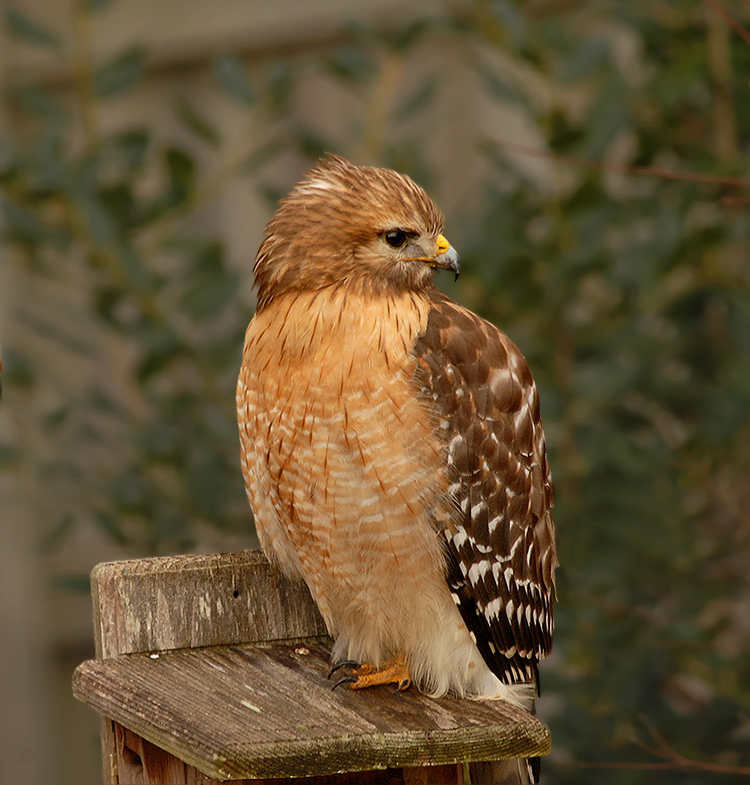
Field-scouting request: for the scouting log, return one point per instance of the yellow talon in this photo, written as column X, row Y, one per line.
column 393, row 672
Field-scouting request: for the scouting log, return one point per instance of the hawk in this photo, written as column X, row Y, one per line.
column 392, row 447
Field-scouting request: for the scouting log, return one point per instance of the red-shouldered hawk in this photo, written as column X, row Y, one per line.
column 392, row 446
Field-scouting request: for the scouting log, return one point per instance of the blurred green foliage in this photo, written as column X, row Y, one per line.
column 629, row 294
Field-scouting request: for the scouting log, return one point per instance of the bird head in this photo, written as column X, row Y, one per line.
column 358, row 226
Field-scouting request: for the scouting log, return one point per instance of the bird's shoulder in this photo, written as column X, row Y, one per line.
column 500, row 544
column 471, row 369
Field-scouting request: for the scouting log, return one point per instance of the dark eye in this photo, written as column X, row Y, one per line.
column 397, row 238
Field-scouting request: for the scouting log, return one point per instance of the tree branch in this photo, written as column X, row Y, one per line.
column 661, row 749
column 731, row 21
column 650, row 171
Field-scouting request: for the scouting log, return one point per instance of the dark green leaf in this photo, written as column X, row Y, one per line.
column 352, row 63
column 418, row 100
column 209, row 294
column 103, row 403
column 161, row 346
column 57, row 417
column 278, row 85
column 54, row 331
column 586, row 58
column 231, row 75
column 8, row 154
column 210, row 286
column 181, row 172
column 137, row 274
column 310, row 143
column 22, row 26
column 120, row 73
column 10, row 456
column 128, row 150
column 99, row 223
column 109, row 524
column 18, row 370
column 197, row 122
column 500, row 88
column 22, row 226
column 75, row 583
column 402, row 40
column 39, row 102
column 265, row 153
column 608, row 117
column 55, row 535
column 512, row 23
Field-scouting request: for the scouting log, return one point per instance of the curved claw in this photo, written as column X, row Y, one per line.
column 362, row 676
column 343, row 664
column 403, row 686
column 344, row 680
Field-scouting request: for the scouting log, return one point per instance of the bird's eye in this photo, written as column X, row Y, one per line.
column 397, row 238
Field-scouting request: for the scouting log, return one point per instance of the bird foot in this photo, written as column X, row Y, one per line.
column 392, row 672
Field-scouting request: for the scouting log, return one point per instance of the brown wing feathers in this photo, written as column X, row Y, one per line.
column 500, row 547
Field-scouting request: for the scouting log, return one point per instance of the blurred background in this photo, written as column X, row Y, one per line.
column 143, row 146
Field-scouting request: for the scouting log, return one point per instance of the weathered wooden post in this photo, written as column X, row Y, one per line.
column 213, row 668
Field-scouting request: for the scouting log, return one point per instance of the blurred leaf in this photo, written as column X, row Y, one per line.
column 586, row 58
column 208, row 294
column 21, row 225
column 22, row 26
column 351, row 63
column 265, row 153
column 403, row 39
column 197, row 122
column 97, row 5
column 120, row 73
column 278, row 85
column 130, row 491
column 418, row 100
column 161, row 441
column 54, row 332
column 18, row 370
column 110, row 526
column 56, row 534
column 208, row 480
column 607, row 118
column 39, row 102
column 209, row 285
column 137, row 274
column 231, row 75
column 57, row 417
column 103, row 403
column 511, row 21
column 182, row 175
column 500, row 88
column 128, row 150
column 99, row 223
column 75, row 583
column 10, row 457
column 310, row 143
column 8, row 155
column 160, row 346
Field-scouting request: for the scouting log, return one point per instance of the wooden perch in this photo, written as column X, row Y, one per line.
column 214, row 668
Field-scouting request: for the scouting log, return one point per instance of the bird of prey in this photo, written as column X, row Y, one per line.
column 392, row 446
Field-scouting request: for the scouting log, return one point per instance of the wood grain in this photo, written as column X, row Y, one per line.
column 244, row 712
column 180, row 602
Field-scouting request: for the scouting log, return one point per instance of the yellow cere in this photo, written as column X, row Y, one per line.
column 442, row 244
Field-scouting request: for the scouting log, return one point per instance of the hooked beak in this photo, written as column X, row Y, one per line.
column 447, row 258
